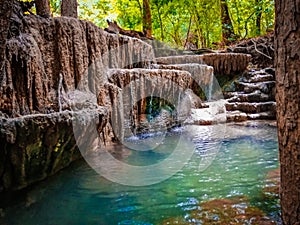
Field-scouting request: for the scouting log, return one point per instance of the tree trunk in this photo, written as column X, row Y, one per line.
column 258, row 17
column 6, row 8
column 227, row 28
column 258, row 23
column 43, row 8
column 69, row 8
column 287, row 42
column 147, row 21
column 158, row 7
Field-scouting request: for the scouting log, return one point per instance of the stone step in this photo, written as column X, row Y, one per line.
column 265, row 87
column 269, row 115
column 263, row 71
column 201, row 73
column 238, row 116
column 256, row 96
column 166, row 52
column 260, row 78
column 251, row 107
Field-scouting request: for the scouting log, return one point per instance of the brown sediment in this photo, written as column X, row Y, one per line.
column 272, row 183
column 236, row 211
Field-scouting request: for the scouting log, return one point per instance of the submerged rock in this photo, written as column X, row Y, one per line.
column 235, row 210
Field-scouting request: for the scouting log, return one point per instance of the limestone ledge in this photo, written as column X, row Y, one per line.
column 223, row 63
column 36, row 146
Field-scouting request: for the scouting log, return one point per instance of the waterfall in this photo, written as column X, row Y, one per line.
column 151, row 102
column 178, row 107
column 132, row 107
column 210, row 87
column 151, row 105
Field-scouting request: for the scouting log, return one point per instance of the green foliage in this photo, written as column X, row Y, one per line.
column 129, row 14
column 182, row 23
column 97, row 11
column 244, row 14
column 55, row 7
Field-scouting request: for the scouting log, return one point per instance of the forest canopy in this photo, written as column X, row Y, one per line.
column 183, row 23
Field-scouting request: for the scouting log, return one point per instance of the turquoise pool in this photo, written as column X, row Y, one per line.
column 241, row 157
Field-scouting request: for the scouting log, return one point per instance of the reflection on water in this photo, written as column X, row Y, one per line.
column 228, row 162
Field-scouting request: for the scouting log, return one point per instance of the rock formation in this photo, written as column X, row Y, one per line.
column 75, row 49
column 66, row 83
column 52, row 66
column 60, row 70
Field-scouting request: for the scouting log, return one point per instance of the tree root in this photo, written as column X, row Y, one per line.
column 261, row 49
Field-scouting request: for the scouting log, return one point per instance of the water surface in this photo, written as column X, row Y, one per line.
column 241, row 158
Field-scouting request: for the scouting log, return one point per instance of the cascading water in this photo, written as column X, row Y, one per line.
column 132, row 107
column 210, row 87
column 150, row 107
column 178, row 106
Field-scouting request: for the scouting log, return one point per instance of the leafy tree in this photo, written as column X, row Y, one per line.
column 251, row 18
column 158, row 19
column 97, row 11
column 129, row 14
column 258, row 6
column 182, row 23
column 55, row 7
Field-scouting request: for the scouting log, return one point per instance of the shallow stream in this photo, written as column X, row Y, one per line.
column 238, row 159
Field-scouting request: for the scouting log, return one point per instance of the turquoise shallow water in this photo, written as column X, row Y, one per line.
column 239, row 159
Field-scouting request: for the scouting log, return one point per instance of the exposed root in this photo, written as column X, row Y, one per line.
column 261, row 49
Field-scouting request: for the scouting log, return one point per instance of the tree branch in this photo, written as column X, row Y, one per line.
column 269, row 57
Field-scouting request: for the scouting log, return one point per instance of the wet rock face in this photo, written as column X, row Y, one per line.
column 154, row 79
column 36, row 146
column 78, row 50
column 56, row 67
column 204, row 80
